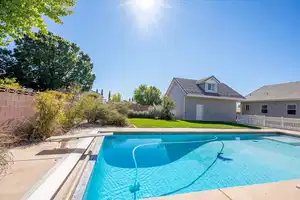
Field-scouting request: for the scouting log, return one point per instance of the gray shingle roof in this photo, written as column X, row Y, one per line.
column 190, row 87
column 276, row 92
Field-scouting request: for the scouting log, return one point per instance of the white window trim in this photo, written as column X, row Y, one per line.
column 287, row 105
column 208, row 90
column 262, row 106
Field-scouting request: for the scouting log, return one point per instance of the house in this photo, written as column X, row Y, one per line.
column 279, row 100
column 206, row 99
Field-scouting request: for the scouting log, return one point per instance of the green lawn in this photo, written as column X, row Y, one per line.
column 157, row 123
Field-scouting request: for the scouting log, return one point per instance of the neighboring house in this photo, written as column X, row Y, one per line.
column 279, row 100
column 207, row 99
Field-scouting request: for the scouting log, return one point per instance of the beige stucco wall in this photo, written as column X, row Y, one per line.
column 214, row 110
column 275, row 109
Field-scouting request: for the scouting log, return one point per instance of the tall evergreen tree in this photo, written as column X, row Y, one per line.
column 109, row 96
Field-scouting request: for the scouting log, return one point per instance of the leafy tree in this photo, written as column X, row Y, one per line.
column 139, row 94
column 102, row 92
column 116, row 97
column 153, row 96
column 145, row 95
column 19, row 17
column 167, row 106
column 109, row 95
column 51, row 63
column 97, row 91
column 6, row 60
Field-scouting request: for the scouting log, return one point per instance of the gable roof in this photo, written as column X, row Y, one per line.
column 207, row 78
column 283, row 91
column 191, row 87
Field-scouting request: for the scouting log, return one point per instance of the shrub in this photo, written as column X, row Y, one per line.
column 139, row 114
column 122, row 107
column 5, row 158
column 155, row 112
column 167, row 106
column 50, row 107
column 10, row 83
column 85, row 108
column 115, row 118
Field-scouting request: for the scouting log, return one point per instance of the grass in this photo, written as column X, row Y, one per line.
column 157, row 123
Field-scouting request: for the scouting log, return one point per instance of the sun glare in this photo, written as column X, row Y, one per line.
column 147, row 12
column 145, row 5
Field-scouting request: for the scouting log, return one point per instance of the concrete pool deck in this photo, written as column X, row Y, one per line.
column 268, row 191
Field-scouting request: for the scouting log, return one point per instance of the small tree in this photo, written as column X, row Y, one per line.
column 147, row 95
column 102, row 92
column 109, row 96
column 167, row 106
column 116, row 97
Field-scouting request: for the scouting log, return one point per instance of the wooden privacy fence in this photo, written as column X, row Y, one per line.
column 272, row 122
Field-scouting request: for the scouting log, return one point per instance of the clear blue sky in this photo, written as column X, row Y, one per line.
column 244, row 43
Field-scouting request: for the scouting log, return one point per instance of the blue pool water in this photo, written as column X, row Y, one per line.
column 181, row 163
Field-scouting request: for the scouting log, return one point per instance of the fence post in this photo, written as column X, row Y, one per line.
column 264, row 121
column 282, row 122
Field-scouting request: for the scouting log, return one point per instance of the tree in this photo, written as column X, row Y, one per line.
column 97, row 91
column 145, row 95
column 116, row 97
column 50, row 63
column 6, row 60
column 19, row 17
column 167, row 106
column 102, row 92
column 109, row 95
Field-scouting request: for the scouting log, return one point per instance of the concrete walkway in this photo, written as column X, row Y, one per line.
column 269, row 191
column 28, row 167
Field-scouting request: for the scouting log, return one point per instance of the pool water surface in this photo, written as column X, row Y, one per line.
column 179, row 163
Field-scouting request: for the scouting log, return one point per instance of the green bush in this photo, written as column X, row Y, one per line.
column 139, row 114
column 155, row 112
column 10, row 83
column 167, row 106
column 122, row 107
column 115, row 118
column 50, row 106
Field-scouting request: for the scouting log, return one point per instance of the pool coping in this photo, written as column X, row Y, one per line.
column 47, row 187
column 82, row 185
column 197, row 130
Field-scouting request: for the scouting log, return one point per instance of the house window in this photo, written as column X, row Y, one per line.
column 264, row 108
column 247, row 107
column 211, row 87
column 291, row 109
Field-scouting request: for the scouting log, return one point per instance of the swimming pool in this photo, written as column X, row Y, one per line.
column 138, row 166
